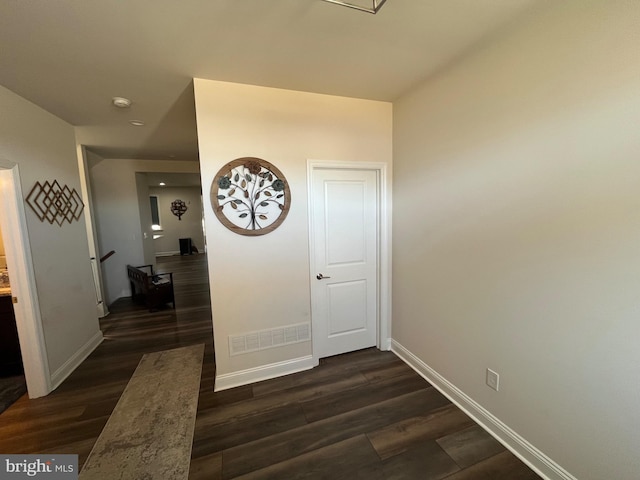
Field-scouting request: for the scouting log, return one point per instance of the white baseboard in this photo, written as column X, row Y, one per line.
column 263, row 372
column 103, row 311
column 525, row 451
column 168, row 254
column 76, row 359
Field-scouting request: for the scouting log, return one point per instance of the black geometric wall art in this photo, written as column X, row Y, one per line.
column 54, row 203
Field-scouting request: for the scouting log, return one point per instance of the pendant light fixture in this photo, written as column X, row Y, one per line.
column 375, row 5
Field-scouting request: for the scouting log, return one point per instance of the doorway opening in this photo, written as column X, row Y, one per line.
column 23, row 294
column 12, row 380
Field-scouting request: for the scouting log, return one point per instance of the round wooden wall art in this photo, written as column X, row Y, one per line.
column 250, row 196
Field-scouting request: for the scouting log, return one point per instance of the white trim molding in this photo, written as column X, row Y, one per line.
column 170, row 253
column 518, row 445
column 75, row 360
column 263, row 372
column 23, row 284
column 92, row 234
column 385, row 237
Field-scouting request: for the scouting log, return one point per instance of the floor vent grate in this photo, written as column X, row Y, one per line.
column 274, row 337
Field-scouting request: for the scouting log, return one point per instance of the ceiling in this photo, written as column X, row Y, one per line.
column 154, row 179
column 72, row 56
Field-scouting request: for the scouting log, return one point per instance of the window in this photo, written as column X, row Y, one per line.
column 155, row 213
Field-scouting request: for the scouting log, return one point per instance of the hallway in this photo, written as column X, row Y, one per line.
column 70, row 419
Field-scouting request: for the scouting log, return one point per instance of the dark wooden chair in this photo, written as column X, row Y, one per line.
column 154, row 289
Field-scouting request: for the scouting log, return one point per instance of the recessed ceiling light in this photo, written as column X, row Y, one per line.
column 162, row 184
column 121, row 102
column 136, row 123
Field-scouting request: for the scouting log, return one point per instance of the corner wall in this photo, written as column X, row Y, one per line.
column 44, row 147
column 263, row 282
column 517, row 229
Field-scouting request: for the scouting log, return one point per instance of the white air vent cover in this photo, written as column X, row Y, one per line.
column 275, row 337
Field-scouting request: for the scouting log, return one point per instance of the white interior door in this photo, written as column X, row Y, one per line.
column 344, row 260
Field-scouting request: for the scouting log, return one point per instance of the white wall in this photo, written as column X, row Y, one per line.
column 517, row 231
column 44, row 147
column 263, row 282
column 144, row 210
column 119, row 223
column 173, row 229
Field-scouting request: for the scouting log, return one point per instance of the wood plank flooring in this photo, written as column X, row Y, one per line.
column 70, row 419
column 363, row 415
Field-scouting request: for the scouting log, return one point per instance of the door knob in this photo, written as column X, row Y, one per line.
column 321, row 277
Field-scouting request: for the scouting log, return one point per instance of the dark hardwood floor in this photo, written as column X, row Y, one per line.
column 363, row 415
column 70, row 419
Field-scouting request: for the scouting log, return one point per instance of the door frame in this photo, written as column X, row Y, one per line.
column 23, row 284
column 384, row 242
column 92, row 234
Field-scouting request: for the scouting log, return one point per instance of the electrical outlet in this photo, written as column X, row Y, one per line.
column 493, row 379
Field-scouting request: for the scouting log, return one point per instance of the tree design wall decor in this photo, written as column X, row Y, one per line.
column 250, row 196
column 178, row 208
